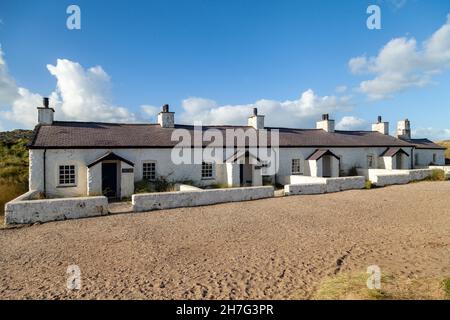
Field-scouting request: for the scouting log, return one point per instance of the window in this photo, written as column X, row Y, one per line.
column 149, row 171
column 369, row 162
column 207, row 170
column 297, row 166
column 67, row 175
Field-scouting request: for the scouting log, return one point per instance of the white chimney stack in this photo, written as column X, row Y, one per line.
column 45, row 113
column 404, row 129
column 326, row 124
column 256, row 121
column 381, row 127
column 166, row 119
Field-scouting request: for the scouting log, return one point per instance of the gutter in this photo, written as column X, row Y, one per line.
column 45, row 173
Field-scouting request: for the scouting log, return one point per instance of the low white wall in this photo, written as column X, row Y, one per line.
column 186, row 187
column 20, row 210
column 305, row 188
column 315, row 185
column 167, row 200
column 382, row 177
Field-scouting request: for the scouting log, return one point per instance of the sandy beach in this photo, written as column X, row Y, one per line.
column 280, row 248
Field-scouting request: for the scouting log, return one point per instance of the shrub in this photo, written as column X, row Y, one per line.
column 161, row 184
column 437, row 175
column 368, row 185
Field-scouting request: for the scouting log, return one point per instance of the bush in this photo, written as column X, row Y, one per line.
column 161, row 184
column 368, row 185
column 437, row 175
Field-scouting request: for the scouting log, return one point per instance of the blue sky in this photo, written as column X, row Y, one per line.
column 215, row 60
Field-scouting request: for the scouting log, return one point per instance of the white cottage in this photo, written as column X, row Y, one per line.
column 91, row 158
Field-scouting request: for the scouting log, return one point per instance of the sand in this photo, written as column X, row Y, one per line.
column 280, row 248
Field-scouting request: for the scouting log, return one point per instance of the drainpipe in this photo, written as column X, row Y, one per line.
column 45, row 173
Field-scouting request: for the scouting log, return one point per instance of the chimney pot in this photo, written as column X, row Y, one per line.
column 45, row 102
column 255, row 111
column 325, row 116
column 165, row 108
column 379, row 119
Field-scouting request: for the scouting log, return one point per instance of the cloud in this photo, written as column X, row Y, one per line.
column 85, row 94
column 431, row 133
column 402, row 64
column 395, row 4
column 8, row 88
column 151, row 112
column 341, row 89
column 303, row 111
column 352, row 123
column 80, row 94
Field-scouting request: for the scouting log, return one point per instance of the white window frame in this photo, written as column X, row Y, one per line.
column 67, row 176
column 144, row 163
column 297, row 168
column 207, row 171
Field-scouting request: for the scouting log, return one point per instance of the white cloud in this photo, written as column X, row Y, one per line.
column 352, row 123
column 431, row 133
column 8, row 88
column 80, row 94
column 150, row 112
column 403, row 64
column 301, row 112
column 341, row 89
column 84, row 94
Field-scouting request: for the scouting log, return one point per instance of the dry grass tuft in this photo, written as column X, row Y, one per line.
column 349, row 286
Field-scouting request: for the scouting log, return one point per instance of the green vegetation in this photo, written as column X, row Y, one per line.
column 437, row 175
column 161, row 184
column 13, row 165
column 446, row 144
column 354, row 286
column 369, row 185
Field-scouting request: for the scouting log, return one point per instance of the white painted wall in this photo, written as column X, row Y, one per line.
column 425, row 157
column 20, row 211
column 167, row 200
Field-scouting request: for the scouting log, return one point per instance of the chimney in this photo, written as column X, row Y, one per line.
column 166, row 119
column 45, row 113
column 326, row 124
column 404, row 129
column 381, row 127
column 256, row 121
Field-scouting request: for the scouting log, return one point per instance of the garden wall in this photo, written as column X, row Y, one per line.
column 167, row 200
column 22, row 210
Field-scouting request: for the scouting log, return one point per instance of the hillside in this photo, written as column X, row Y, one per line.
column 446, row 144
column 13, row 164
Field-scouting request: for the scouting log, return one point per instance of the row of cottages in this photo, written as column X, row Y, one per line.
column 90, row 158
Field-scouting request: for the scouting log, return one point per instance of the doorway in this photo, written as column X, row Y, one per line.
column 326, row 166
column 398, row 159
column 245, row 174
column 109, row 179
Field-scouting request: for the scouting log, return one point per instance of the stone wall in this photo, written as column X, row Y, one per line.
column 22, row 210
column 167, row 200
column 315, row 185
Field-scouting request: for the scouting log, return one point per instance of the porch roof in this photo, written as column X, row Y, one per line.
column 390, row 152
column 110, row 156
column 319, row 153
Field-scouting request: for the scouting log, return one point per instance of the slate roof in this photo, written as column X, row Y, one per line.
column 319, row 153
column 425, row 144
column 390, row 152
column 81, row 135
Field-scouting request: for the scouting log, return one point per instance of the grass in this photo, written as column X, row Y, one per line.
column 437, row 175
column 13, row 167
column 352, row 286
column 446, row 144
column 369, row 185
